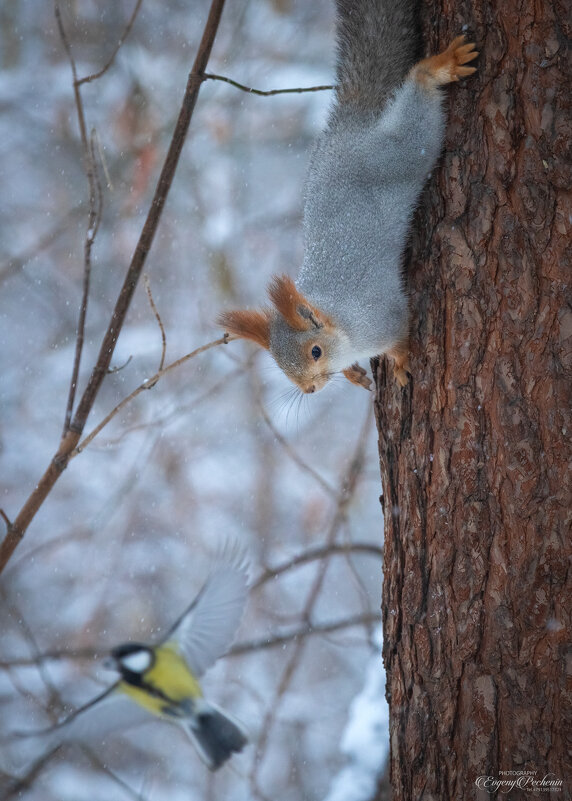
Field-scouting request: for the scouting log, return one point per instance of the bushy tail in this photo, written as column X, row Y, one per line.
column 216, row 736
column 378, row 43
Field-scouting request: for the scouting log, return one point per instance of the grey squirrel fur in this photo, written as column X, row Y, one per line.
column 384, row 134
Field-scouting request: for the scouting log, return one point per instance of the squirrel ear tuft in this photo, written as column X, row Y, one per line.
column 254, row 325
column 293, row 306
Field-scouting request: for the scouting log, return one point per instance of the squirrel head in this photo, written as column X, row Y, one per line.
column 302, row 339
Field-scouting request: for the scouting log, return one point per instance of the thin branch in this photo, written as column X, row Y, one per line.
column 5, row 518
column 160, row 422
column 79, row 655
column 260, row 644
column 159, row 321
column 149, row 383
column 348, row 486
column 15, row 263
column 20, row 784
column 122, row 38
column 69, row 442
column 317, row 553
column 28, row 635
column 98, row 764
column 194, row 83
column 303, row 631
column 93, row 219
column 294, row 455
column 118, row 368
column 103, row 161
column 267, row 93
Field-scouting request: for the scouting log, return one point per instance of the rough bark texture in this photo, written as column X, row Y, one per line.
column 475, row 451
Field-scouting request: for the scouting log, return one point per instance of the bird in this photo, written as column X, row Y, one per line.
column 163, row 679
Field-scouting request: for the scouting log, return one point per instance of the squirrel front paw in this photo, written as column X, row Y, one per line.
column 401, row 367
column 357, row 375
column 447, row 66
column 400, row 376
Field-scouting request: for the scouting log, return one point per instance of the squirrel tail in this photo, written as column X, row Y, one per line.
column 378, row 43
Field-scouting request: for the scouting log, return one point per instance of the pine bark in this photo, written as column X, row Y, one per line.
column 475, row 452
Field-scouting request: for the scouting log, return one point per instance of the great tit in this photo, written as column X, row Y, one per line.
column 162, row 679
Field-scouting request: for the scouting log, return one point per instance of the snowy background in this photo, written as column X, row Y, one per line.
column 215, row 451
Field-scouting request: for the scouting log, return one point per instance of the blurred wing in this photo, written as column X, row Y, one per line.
column 206, row 630
column 109, row 712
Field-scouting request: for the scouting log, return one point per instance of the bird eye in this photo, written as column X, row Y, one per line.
column 316, row 352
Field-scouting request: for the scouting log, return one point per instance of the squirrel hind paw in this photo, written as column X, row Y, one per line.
column 447, row 67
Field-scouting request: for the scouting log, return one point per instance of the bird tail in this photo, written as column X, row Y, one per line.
column 215, row 735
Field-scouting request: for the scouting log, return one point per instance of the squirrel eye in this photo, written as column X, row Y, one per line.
column 316, row 352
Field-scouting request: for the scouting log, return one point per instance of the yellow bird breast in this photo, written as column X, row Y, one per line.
column 168, row 689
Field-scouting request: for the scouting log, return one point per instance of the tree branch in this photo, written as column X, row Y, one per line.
column 317, row 553
column 260, row 644
column 94, row 216
column 348, row 486
column 302, row 631
column 71, row 438
column 159, row 321
column 94, row 76
column 149, row 383
column 269, row 92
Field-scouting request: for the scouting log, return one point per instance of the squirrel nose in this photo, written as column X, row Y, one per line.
column 311, row 389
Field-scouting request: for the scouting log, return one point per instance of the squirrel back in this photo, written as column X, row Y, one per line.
column 367, row 170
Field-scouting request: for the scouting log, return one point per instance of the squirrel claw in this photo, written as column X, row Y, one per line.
column 446, row 67
column 400, row 376
column 358, row 376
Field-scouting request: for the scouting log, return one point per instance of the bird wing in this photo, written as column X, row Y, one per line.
column 108, row 712
column 205, row 631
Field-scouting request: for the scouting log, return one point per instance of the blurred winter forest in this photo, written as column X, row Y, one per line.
column 217, row 450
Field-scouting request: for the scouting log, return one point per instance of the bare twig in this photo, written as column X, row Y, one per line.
column 93, row 218
column 70, row 440
column 119, row 367
column 294, row 455
column 160, row 422
column 122, row 38
column 102, row 160
column 259, row 644
column 302, row 631
column 159, row 321
column 81, row 654
column 194, row 82
column 15, row 263
column 149, row 383
column 18, row 785
column 269, row 92
column 98, row 764
column 317, row 553
column 20, row 620
column 347, row 489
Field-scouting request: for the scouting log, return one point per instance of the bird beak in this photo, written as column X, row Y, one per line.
column 109, row 663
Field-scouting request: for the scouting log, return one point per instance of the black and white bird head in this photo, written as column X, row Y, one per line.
column 132, row 660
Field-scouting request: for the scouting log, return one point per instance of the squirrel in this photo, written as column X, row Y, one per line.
column 384, row 135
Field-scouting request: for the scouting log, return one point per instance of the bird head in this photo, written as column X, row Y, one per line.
column 132, row 660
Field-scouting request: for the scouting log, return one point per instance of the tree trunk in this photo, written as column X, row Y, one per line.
column 475, row 451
